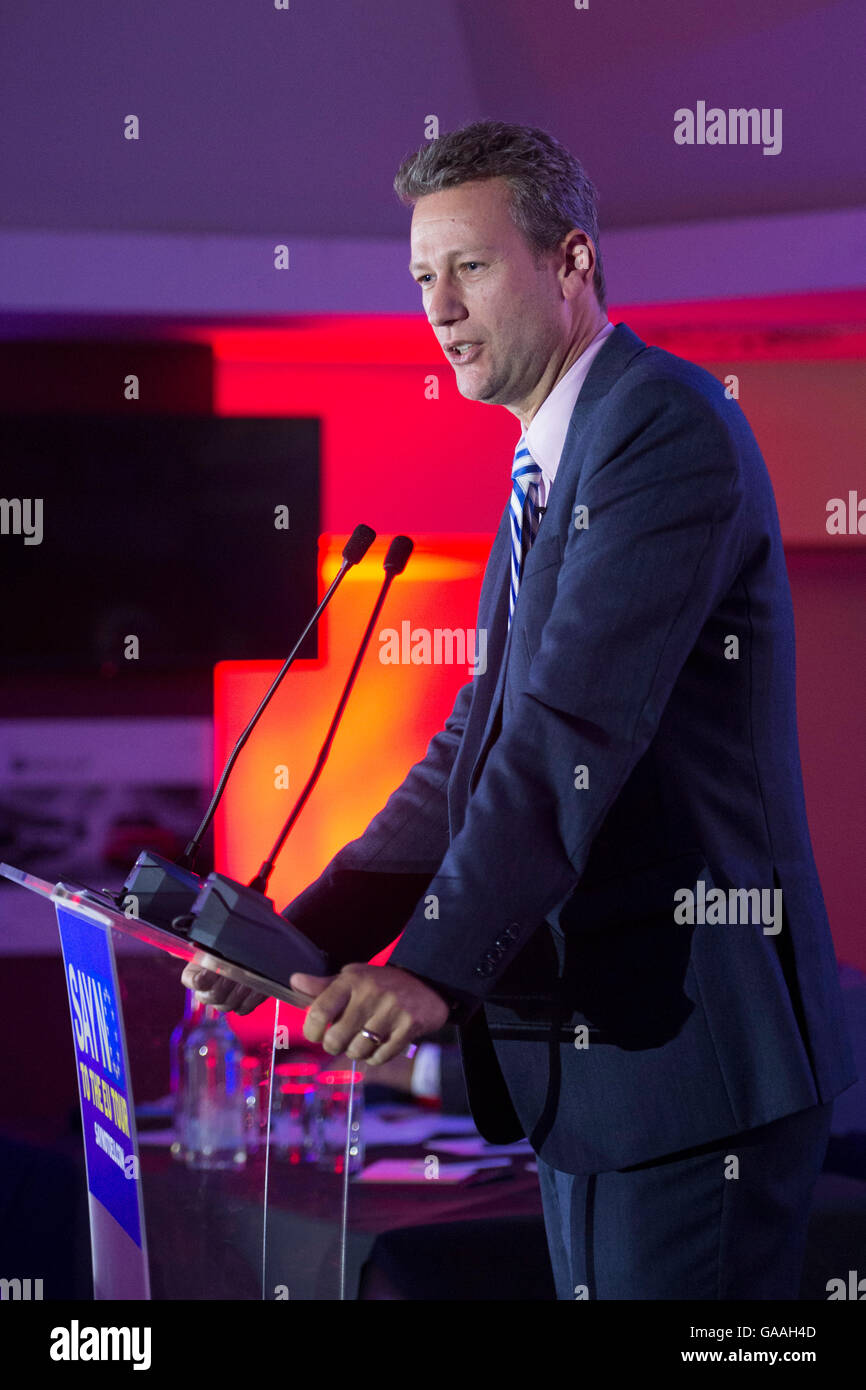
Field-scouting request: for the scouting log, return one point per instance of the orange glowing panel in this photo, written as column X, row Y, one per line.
column 395, row 709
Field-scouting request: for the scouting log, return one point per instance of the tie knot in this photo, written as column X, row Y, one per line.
column 524, row 471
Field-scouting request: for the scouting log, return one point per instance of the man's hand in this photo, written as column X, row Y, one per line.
column 219, row 992
column 383, row 998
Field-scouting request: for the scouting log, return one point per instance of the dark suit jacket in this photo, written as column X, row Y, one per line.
column 548, row 905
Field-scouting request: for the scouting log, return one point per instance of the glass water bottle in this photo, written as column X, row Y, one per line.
column 214, row 1111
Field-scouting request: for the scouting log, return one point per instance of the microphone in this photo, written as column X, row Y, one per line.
column 164, row 889
column 239, row 922
column 394, row 563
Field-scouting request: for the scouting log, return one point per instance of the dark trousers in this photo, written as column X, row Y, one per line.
column 684, row 1226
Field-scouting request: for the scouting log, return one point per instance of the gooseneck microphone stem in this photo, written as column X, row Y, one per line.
column 356, row 547
column 395, row 562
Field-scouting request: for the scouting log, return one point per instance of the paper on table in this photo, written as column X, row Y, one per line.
column 414, row 1170
column 406, row 1125
column 474, row 1145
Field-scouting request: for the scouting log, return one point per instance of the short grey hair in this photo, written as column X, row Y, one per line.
column 551, row 191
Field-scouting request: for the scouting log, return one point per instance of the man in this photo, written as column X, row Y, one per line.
column 555, row 860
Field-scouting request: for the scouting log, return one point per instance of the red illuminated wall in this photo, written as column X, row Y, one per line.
column 401, row 456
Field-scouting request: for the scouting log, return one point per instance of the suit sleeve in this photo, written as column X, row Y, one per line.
column 363, row 898
column 664, row 499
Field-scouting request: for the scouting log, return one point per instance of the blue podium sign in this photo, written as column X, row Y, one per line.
column 107, row 1115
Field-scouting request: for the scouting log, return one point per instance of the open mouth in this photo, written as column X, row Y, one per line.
column 461, row 353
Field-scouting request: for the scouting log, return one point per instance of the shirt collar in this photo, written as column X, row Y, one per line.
column 545, row 436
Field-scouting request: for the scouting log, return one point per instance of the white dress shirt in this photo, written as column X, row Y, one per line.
column 545, row 436
column 426, row 1079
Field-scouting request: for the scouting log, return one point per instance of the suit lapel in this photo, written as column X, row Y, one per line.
column 611, row 361
column 493, row 615
column 501, row 622
column 613, row 357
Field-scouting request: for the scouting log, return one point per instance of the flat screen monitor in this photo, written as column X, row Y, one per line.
column 196, row 534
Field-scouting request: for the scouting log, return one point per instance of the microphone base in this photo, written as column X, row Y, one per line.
column 243, row 926
column 162, row 889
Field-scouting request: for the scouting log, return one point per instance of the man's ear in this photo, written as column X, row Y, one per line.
column 577, row 261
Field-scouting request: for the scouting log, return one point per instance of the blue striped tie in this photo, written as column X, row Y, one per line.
column 525, row 478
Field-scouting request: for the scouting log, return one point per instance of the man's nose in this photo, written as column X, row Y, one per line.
column 444, row 305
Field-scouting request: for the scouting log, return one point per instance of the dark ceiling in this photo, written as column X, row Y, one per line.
column 293, row 121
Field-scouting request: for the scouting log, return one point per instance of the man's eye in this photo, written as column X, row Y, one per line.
column 472, row 265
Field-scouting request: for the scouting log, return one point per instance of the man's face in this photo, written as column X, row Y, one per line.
column 481, row 286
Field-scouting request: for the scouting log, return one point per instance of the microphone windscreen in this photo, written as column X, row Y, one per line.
column 358, row 544
column 398, row 555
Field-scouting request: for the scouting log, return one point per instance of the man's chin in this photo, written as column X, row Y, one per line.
column 478, row 389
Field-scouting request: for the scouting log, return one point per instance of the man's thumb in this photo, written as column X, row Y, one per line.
column 309, row 984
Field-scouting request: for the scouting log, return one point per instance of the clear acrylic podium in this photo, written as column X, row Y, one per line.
column 270, row 1229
